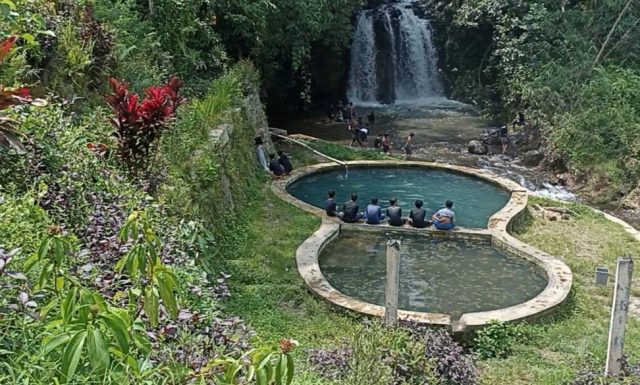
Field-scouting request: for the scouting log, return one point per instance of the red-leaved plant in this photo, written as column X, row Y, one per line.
column 10, row 97
column 139, row 125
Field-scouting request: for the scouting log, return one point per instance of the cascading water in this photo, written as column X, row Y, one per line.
column 393, row 58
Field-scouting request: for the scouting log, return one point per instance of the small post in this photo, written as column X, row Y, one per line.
column 602, row 276
column 393, row 282
column 619, row 312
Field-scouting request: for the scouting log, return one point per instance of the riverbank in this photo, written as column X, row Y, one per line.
column 443, row 132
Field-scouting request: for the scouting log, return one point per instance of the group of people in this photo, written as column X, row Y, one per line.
column 443, row 219
column 359, row 130
column 280, row 165
column 340, row 112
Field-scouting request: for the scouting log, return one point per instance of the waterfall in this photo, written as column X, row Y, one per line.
column 393, row 58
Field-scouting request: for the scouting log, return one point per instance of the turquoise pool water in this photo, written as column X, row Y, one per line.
column 439, row 276
column 475, row 200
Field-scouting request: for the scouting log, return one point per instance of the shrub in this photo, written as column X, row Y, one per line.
column 331, row 363
column 630, row 375
column 498, row 338
column 139, row 125
column 452, row 364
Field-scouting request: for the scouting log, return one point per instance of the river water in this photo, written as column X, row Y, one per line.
column 442, row 129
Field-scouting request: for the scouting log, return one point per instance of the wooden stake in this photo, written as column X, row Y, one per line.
column 619, row 312
column 393, row 282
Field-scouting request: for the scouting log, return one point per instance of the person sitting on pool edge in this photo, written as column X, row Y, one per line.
column 350, row 210
column 275, row 167
column 330, row 206
column 373, row 213
column 394, row 213
column 444, row 219
column 418, row 216
column 285, row 162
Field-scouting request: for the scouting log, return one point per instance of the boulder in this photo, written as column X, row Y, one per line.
column 532, row 158
column 632, row 200
column 477, row 147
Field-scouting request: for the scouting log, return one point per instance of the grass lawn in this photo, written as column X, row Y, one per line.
column 270, row 296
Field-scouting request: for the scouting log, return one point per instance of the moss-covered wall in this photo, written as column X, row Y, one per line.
column 212, row 162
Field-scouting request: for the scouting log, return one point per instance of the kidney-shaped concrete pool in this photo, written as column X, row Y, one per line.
column 463, row 278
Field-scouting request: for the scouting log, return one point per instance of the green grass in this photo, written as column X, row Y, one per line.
column 303, row 157
column 271, row 297
column 576, row 336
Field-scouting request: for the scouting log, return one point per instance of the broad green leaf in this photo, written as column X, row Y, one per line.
column 44, row 275
column 9, row 3
column 251, row 372
column 168, row 296
column 59, row 285
column 51, row 344
column 264, row 361
column 68, row 304
column 151, row 305
column 97, row 349
column 72, row 354
column 84, row 308
column 29, row 38
column 44, row 311
column 30, row 262
column 44, row 247
column 118, row 328
column 121, row 263
column 290, row 369
column 261, row 377
column 281, row 368
column 59, row 248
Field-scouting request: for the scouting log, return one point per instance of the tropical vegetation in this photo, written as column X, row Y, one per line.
column 133, row 247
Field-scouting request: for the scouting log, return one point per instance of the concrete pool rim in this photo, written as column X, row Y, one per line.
column 559, row 275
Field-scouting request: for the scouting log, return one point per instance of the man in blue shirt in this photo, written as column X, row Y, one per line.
column 373, row 214
column 444, row 219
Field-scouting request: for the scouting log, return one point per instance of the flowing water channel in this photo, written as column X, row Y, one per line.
column 439, row 276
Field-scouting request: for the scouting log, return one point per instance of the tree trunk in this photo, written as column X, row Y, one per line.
column 152, row 9
column 613, row 28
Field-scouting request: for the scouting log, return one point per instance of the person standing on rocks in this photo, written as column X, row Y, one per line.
column 504, row 138
column 408, row 146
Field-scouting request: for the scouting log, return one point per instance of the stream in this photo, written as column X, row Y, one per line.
column 443, row 129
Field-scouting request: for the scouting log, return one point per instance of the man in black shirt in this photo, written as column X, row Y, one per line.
column 394, row 213
column 417, row 216
column 274, row 166
column 285, row 162
column 330, row 206
column 351, row 211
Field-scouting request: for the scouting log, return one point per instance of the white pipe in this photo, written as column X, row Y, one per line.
column 309, row 147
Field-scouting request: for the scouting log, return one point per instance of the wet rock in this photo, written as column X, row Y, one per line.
column 532, row 158
column 632, row 200
column 477, row 147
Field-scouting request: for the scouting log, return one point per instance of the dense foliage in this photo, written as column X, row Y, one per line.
column 570, row 65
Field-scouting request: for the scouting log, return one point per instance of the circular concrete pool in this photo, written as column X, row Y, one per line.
column 475, row 200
